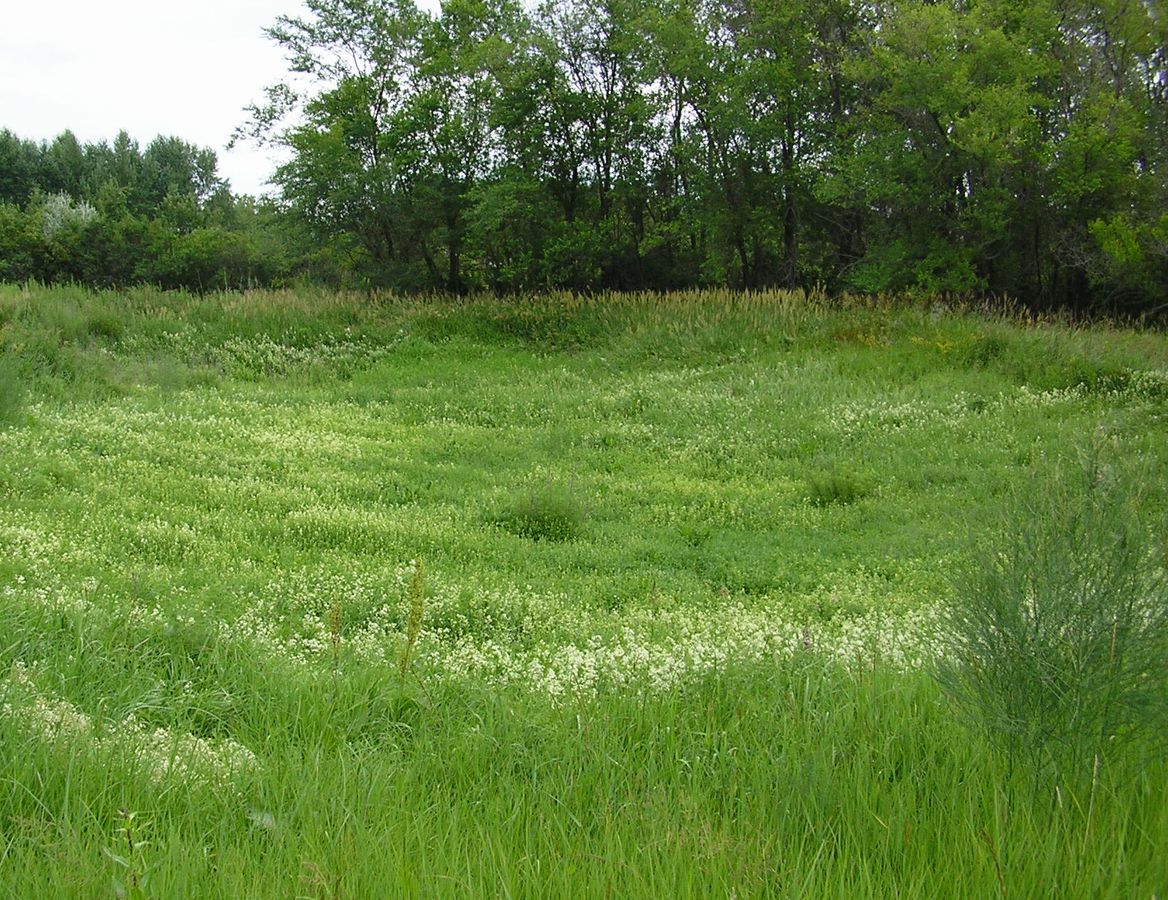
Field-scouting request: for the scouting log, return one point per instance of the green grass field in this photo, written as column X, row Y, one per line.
column 313, row 595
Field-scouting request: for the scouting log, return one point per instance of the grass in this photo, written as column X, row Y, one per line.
column 684, row 558
column 11, row 392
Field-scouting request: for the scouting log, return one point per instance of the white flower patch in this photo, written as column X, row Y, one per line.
column 1150, row 384
column 165, row 755
column 549, row 644
column 37, row 549
column 1028, row 398
column 53, row 598
column 635, row 659
column 888, row 417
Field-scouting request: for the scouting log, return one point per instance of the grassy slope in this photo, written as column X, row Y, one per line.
column 211, row 507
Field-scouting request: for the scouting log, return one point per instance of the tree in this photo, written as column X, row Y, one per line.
column 20, row 164
column 63, row 166
column 966, row 146
column 354, row 167
column 21, row 245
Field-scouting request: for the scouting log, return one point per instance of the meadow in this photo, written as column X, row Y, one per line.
column 308, row 594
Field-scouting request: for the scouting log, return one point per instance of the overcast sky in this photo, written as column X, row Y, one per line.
column 147, row 66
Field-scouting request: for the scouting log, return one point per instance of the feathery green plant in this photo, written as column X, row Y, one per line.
column 1058, row 630
column 835, row 488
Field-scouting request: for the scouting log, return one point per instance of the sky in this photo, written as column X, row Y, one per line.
column 149, row 67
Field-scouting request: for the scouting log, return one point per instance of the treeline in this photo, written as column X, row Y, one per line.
column 974, row 146
column 114, row 214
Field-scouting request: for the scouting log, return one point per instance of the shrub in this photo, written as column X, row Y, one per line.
column 835, row 488
column 545, row 511
column 1057, row 635
column 60, row 212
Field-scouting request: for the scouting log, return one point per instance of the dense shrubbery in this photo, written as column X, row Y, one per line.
column 113, row 216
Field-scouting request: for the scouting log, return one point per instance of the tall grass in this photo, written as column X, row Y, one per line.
column 796, row 781
column 12, row 391
column 640, row 664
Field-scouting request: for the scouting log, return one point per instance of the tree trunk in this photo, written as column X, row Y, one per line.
column 790, row 217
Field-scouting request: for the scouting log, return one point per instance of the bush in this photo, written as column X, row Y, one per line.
column 545, row 511
column 1057, row 635
column 835, row 488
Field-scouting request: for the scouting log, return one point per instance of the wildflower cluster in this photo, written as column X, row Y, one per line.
column 164, row 755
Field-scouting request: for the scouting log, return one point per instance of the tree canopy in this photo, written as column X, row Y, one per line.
column 112, row 214
column 969, row 146
column 972, row 147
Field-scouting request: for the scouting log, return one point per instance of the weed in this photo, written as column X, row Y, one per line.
column 548, row 510
column 417, row 599
column 694, row 534
column 12, row 391
column 982, row 350
column 1059, row 628
column 336, row 621
column 836, row 488
column 106, row 325
column 135, row 876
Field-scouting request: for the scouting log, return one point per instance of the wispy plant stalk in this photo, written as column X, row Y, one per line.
column 417, row 594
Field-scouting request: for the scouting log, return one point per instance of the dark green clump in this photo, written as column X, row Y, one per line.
column 11, row 392
column 547, row 511
column 835, row 489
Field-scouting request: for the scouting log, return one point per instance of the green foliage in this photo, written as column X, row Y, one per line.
column 21, row 247
column 113, row 216
column 968, row 149
column 1132, row 258
column 831, row 488
column 1058, row 633
column 544, row 510
column 12, row 391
